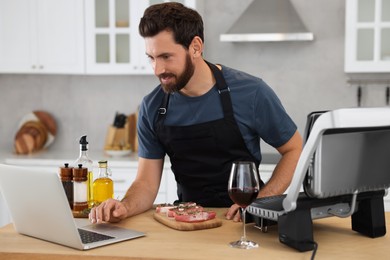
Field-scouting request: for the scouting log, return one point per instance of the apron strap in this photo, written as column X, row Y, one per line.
column 162, row 111
column 223, row 90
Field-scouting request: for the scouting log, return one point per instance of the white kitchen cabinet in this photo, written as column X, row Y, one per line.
column 367, row 36
column 113, row 44
column 123, row 177
column 42, row 36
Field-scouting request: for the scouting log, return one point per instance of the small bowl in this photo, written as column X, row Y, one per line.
column 118, row 153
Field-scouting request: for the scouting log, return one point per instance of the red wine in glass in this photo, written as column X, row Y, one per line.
column 243, row 197
column 243, row 189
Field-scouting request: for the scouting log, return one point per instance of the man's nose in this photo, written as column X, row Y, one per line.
column 158, row 67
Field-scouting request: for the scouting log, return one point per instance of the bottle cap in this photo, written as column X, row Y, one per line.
column 102, row 164
column 66, row 172
column 83, row 142
column 80, row 173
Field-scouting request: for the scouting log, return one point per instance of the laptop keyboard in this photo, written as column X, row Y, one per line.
column 90, row 237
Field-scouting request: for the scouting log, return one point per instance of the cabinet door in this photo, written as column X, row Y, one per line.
column 41, row 36
column 113, row 43
column 123, row 177
column 367, row 36
column 112, row 40
column 61, row 36
column 18, row 32
column 171, row 185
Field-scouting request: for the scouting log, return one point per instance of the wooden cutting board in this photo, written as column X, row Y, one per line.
column 184, row 226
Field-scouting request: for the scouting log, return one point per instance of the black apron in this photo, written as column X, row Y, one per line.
column 201, row 155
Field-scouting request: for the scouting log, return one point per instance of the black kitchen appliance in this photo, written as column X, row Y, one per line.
column 344, row 170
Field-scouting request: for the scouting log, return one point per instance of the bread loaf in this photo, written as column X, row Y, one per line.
column 24, row 144
column 31, row 137
column 36, row 131
column 47, row 120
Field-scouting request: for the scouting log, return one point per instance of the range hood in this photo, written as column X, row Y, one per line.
column 268, row 20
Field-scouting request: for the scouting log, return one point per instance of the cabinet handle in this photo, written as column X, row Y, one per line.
column 33, row 67
column 40, row 66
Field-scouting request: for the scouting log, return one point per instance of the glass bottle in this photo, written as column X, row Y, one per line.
column 80, row 191
column 87, row 163
column 103, row 186
column 66, row 175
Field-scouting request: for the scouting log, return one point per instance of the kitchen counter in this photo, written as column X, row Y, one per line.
column 334, row 237
column 56, row 158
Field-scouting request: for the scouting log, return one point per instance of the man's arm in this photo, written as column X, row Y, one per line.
column 139, row 197
column 284, row 170
column 142, row 193
column 282, row 175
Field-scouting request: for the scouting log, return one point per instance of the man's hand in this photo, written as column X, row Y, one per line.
column 233, row 213
column 108, row 211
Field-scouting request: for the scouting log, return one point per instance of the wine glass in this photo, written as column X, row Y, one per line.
column 243, row 189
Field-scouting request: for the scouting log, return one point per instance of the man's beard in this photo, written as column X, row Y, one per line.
column 181, row 80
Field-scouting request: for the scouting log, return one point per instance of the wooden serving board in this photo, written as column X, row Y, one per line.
column 184, row 226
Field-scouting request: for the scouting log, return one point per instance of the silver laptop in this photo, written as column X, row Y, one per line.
column 39, row 208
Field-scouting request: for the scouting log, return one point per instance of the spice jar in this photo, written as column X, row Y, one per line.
column 66, row 176
column 80, row 191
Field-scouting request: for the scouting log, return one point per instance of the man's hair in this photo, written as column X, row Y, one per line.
column 184, row 22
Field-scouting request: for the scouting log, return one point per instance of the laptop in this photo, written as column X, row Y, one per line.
column 39, row 208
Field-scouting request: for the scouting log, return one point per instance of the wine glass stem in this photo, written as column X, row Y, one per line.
column 243, row 238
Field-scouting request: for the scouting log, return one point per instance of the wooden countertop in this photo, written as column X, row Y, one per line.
column 334, row 236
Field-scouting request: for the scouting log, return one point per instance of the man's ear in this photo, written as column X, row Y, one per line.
column 196, row 47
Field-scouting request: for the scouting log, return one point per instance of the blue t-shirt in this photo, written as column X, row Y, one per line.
column 257, row 110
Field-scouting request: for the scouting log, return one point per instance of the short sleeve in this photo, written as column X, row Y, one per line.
column 148, row 144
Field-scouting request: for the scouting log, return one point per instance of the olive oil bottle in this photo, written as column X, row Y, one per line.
column 103, row 186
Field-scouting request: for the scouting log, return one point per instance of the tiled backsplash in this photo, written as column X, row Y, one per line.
column 80, row 104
